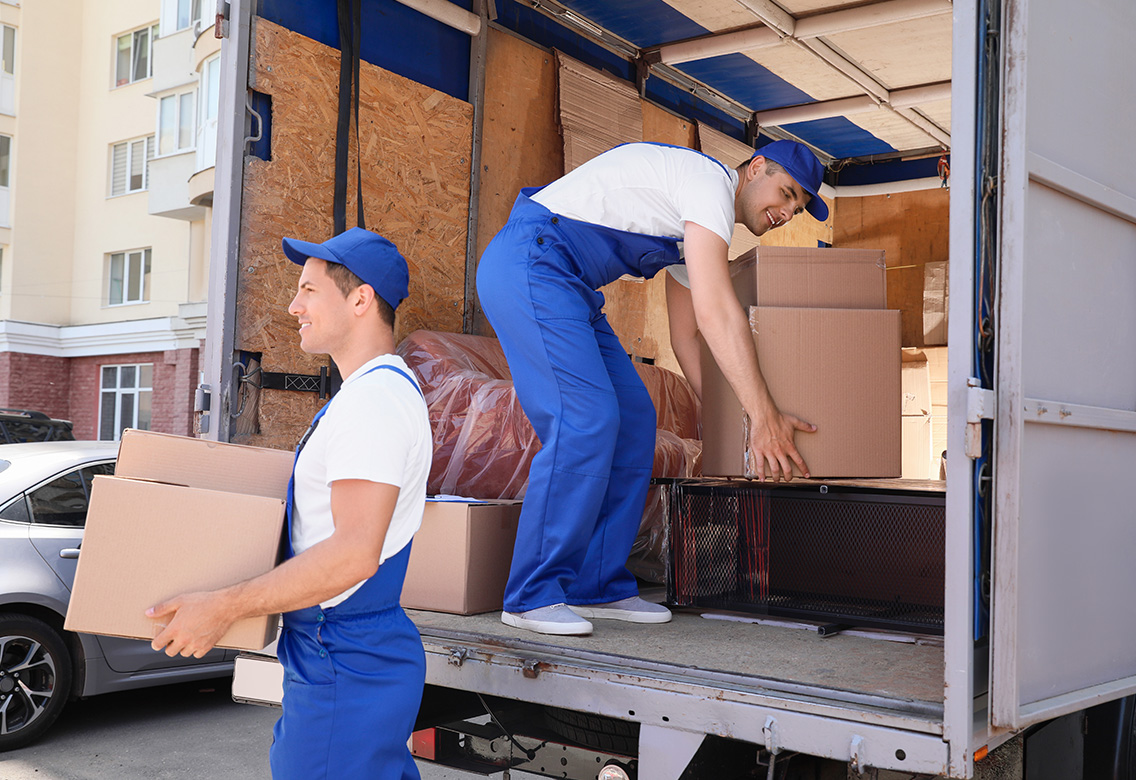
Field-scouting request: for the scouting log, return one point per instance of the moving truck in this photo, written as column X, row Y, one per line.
column 1039, row 631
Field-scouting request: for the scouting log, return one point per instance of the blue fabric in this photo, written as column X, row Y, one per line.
column 353, row 677
column 538, row 283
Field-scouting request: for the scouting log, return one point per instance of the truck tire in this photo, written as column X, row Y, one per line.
column 595, row 731
column 35, row 678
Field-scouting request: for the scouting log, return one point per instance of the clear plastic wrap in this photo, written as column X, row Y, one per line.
column 483, row 442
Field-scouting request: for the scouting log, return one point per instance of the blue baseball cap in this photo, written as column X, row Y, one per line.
column 368, row 255
column 800, row 163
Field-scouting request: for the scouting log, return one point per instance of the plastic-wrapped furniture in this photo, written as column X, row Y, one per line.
column 483, row 443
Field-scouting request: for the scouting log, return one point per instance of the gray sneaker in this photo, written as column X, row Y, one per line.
column 632, row 609
column 556, row 619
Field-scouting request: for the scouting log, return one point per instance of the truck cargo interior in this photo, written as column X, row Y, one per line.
column 862, row 631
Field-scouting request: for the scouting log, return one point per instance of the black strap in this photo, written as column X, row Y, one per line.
column 350, row 28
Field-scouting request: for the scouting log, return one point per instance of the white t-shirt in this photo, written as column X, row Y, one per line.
column 376, row 428
column 649, row 189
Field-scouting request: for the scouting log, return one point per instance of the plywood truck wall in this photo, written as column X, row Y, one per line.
column 416, row 144
column 912, row 229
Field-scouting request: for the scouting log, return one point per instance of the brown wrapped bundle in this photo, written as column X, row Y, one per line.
column 483, row 443
column 676, row 406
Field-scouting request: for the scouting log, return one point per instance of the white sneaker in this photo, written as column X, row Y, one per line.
column 556, row 619
column 632, row 609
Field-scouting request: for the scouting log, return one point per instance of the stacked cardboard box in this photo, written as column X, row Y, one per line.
column 829, row 352
column 937, row 370
column 461, row 556
column 936, row 300
column 916, row 410
column 181, row 514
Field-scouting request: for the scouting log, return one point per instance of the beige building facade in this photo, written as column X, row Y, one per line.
column 107, row 145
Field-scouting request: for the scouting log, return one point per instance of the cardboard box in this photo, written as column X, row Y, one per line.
column 461, row 556
column 811, row 278
column 918, row 462
column 936, row 278
column 836, row 368
column 181, row 514
column 915, row 378
column 937, row 367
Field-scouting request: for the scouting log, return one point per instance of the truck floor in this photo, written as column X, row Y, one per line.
column 782, row 655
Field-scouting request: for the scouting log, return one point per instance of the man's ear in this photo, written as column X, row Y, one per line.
column 755, row 166
column 362, row 297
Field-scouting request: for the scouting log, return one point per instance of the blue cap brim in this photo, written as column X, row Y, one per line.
column 817, row 207
column 299, row 251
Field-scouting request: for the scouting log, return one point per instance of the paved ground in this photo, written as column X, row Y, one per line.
column 193, row 731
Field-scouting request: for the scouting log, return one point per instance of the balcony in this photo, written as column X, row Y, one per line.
column 170, row 191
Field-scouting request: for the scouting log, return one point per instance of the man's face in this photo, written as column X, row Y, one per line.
column 321, row 309
column 765, row 201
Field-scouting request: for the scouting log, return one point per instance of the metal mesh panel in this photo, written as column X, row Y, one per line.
column 851, row 556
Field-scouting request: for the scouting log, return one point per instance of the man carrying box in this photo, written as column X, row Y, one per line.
column 353, row 661
column 632, row 210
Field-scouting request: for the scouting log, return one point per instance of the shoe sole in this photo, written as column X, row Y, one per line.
column 582, row 628
column 625, row 615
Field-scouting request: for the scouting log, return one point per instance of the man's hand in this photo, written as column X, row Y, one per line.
column 195, row 622
column 771, row 441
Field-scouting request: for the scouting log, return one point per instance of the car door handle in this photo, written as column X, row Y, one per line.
column 69, row 552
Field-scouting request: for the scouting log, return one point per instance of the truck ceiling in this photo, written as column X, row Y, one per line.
column 856, row 81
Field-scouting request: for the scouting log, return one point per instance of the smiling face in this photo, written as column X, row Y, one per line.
column 767, row 196
column 322, row 310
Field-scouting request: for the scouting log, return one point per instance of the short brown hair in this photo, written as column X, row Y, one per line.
column 771, row 167
column 347, row 281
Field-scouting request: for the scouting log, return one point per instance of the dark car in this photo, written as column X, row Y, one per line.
column 18, row 426
column 44, row 492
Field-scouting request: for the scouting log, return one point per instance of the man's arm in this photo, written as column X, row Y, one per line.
column 726, row 329
column 362, row 512
column 684, row 333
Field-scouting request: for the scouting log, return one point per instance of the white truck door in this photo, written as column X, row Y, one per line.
column 1064, row 566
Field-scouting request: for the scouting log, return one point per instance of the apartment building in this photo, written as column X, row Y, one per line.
column 108, row 115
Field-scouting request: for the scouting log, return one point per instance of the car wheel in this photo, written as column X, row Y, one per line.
column 35, row 679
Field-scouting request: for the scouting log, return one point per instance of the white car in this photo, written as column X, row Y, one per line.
column 44, row 491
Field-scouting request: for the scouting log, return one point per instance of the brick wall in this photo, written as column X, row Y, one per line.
column 37, row 382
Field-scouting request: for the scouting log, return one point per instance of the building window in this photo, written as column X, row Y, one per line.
column 207, row 126
column 125, row 395
column 175, row 123
column 129, row 275
column 5, row 179
column 8, row 70
column 130, row 165
column 179, row 15
column 132, row 56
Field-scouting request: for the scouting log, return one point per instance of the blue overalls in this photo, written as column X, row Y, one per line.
column 538, row 282
column 353, row 678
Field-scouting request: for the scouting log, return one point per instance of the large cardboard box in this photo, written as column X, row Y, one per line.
column 918, row 462
column 836, row 368
column 936, row 302
column 937, row 367
column 181, row 514
column 811, row 278
column 461, row 556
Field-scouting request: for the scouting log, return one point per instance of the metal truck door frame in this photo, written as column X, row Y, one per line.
column 1063, row 605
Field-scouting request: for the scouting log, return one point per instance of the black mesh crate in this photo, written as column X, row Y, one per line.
column 850, row 555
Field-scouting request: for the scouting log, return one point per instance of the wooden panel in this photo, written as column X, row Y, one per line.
column 520, row 140
column 912, row 229
column 415, row 144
